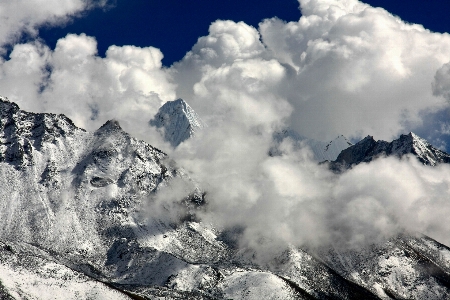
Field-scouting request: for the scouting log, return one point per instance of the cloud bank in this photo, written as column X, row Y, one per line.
column 348, row 68
column 343, row 68
column 129, row 84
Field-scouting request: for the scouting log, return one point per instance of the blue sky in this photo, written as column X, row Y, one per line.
column 174, row 26
column 343, row 67
column 171, row 25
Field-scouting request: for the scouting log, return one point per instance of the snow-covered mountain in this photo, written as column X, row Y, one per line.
column 328, row 150
column 368, row 149
column 79, row 218
column 177, row 121
column 323, row 151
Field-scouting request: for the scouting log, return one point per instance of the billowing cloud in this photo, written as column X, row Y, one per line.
column 25, row 16
column 274, row 202
column 349, row 68
column 360, row 70
column 441, row 83
column 343, row 68
column 226, row 43
column 129, row 84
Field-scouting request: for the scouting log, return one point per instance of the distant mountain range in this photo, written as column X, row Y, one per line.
column 73, row 223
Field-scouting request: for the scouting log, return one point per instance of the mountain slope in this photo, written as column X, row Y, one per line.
column 27, row 272
column 80, row 214
column 406, row 267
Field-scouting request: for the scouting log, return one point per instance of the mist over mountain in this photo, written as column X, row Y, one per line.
column 102, row 215
column 323, row 151
column 111, row 189
column 368, row 149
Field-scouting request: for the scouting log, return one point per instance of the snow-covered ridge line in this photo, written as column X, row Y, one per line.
column 368, row 149
column 77, row 212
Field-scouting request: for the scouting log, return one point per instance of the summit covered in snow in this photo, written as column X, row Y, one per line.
column 177, row 121
column 328, row 150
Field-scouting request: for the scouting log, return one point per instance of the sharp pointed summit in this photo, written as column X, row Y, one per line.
column 177, row 121
column 109, row 126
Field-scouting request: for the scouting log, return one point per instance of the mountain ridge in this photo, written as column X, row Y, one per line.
column 368, row 149
column 79, row 213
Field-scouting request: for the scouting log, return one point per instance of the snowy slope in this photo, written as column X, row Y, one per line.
column 406, row 267
column 77, row 194
column 27, row 272
column 77, row 217
column 177, row 121
column 328, row 150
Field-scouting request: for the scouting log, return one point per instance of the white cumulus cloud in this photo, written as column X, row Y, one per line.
column 343, row 68
column 20, row 17
column 129, row 84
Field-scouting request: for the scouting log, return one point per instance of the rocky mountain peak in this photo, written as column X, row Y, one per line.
column 109, row 127
column 7, row 107
column 177, row 121
column 23, row 132
column 368, row 149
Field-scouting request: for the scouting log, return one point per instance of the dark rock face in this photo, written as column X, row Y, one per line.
column 101, row 181
column 368, row 149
